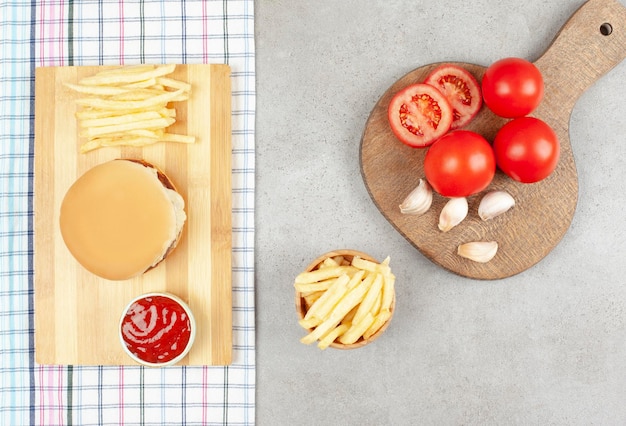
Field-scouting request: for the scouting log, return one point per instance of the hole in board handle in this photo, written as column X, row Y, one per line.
column 606, row 29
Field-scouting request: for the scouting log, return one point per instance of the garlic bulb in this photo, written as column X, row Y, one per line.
column 495, row 203
column 478, row 251
column 453, row 213
column 419, row 200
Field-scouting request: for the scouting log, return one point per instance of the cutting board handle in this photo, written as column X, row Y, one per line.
column 590, row 44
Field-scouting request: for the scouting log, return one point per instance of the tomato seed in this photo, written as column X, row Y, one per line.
column 458, row 86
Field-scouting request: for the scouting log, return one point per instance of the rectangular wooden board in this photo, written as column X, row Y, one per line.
column 77, row 313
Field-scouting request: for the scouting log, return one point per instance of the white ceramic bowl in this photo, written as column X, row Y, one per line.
column 141, row 301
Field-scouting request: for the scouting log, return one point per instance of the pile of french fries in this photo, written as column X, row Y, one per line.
column 129, row 106
column 345, row 301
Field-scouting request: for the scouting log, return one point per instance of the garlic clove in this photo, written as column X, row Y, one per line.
column 419, row 200
column 494, row 204
column 453, row 213
column 478, row 251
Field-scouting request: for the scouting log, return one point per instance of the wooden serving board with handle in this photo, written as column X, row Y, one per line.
column 579, row 55
column 77, row 313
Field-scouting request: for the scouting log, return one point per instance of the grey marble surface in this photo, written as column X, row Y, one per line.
column 547, row 346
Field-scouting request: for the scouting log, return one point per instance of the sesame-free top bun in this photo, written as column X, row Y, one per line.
column 121, row 218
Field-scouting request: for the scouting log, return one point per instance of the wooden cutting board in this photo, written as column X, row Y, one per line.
column 580, row 54
column 77, row 313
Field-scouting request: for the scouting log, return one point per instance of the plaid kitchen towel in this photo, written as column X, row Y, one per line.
column 100, row 32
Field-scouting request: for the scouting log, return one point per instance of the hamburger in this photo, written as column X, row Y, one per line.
column 122, row 218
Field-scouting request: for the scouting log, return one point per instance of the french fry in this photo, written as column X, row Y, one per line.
column 368, row 280
column 329, row 263
column 173, row 137
column 127, row 118
column 123, row 76
column 324, row 310
column 316, row 286
column 379, row 321
column 96, row 90
column 339, row 260
column 388, row 291
column 174, row 84
column 356, row 330
column 339, row 292
column 116, row 141
column 368, row 265
column 310, row 298
column 154, row 123
column 138, row 94
column 350, row 315
column 323, row 274
column 137, row 137
column 376, row 308
column 151, row 82
column 309, row 323
column 368, row 302
column 332, row 335
column 320, row 286
column 126, row 100
column 149, row 93
column 129, row 105
column 93, row 113
column 127, row 69
column 168, row 112
column 345, row 313
column 345, row 305
column 147, row 133
column 329, row 294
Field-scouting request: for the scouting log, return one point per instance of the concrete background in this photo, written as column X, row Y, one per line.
column 547, row 346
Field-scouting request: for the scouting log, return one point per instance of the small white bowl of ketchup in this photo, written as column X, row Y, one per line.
column 157, row 329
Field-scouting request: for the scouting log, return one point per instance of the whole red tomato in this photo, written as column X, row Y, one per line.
column 512, row 87
column 459, row 164
column 526, row 149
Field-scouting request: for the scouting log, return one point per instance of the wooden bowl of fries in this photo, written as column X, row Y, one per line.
column 345, row 299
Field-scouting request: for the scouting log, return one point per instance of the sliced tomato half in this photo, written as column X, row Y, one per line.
column 419, row 114
column 461, row 89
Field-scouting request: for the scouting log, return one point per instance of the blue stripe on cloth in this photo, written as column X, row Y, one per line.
column 15, row 331
column 64, row 32
column 31, row 290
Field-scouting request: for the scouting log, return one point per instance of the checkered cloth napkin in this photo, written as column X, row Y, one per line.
column 92, row 32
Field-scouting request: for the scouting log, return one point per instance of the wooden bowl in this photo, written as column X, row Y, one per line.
column 348, row 255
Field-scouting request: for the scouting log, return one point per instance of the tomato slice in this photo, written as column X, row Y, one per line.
column 419, row 114
column 461, row 89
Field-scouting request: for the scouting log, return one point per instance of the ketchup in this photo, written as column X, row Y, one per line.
column 156, row 329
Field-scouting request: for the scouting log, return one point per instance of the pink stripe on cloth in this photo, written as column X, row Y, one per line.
column 41, row 395
column 61, row 32
column 51, row 407
column 205, row 58
column 52, row 18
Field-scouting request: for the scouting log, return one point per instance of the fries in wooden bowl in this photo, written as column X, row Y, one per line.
column 345, row 299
